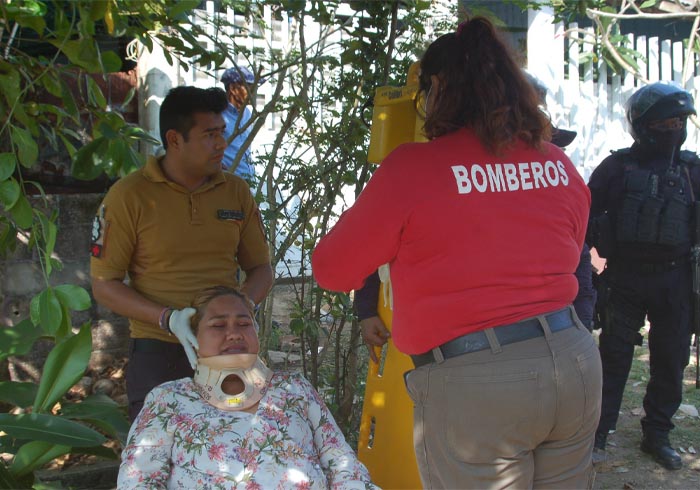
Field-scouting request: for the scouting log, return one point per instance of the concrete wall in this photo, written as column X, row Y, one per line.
column 21, row 279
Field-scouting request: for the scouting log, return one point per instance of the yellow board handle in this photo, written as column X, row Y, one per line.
column 395, row 120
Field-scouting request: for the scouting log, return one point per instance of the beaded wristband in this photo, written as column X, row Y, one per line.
column 161, row 319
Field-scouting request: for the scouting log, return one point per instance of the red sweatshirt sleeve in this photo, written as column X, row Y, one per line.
column 367, row 235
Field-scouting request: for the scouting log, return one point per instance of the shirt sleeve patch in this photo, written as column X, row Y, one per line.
column 99, row 230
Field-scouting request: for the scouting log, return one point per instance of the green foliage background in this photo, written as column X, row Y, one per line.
column 54, row 54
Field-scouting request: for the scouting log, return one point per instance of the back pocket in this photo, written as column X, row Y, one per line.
column 491, row 415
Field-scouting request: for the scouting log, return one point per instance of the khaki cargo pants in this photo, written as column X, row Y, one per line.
column 521, row 415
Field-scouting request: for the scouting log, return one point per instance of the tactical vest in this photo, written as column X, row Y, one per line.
column 655, row 208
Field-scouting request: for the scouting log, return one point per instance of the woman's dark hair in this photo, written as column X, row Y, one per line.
column 204, row 297
column 180, row 105
column 481, row 87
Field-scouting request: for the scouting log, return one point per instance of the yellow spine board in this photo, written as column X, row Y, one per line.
column 385, row 443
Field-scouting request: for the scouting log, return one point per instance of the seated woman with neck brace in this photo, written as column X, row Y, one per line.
column 236, row 424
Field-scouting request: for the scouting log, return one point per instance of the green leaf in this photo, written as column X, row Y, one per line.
column 648, row 3
column 8, row 237
column 50, row 428
column 88, row 163
column 17, row 393
column 129, row 95
column 35, row 454
column 118, row 155
column 111, row 62
column 138, row 133
column 64, row 366
column 133, row 161
column 52, row 83
column 95, row 95
column 66, row 327
column 102, row 411
column 73, row 297
column 27, row 149
column 98, row 9
column 181, row 7
column 9, row 192
column 49, row 310
column 49, row 485
column 34, row 311
column 88, row 55
column 6, row 478
column 18, row 340
column 8, row 162
column 48, row 232
column 9, row 82
column 105, row 129
column 21, row 213
column 147, row 41
column 69, row 146
column 37, row 186
column 35, row 22
column 297, row 326
column 69, row 101
column 80, row 52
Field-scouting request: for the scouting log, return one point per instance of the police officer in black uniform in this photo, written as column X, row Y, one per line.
column 642, row 222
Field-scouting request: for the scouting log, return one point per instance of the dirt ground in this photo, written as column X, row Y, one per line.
column 627, row 467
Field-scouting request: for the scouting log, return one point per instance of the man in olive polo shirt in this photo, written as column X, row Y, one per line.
column 176, row 226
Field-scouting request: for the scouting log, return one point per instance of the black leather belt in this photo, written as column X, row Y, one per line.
column 506, row 334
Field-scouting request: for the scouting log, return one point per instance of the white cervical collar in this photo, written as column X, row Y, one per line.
column 211, row 372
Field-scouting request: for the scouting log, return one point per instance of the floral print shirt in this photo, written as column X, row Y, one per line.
column 291, row 442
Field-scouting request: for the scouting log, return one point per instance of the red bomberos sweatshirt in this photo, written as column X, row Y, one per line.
column 474, row 240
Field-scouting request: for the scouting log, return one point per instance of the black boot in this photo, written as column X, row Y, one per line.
column 660, row 448
column 599, row 455
column 601, row 438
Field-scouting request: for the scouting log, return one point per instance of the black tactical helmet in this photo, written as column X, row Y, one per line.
column 655, row 102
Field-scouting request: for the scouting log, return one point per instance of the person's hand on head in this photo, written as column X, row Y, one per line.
column 375, row 334
column 179, row 324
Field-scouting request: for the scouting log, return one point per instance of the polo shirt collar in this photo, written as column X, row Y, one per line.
column 153, row 172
